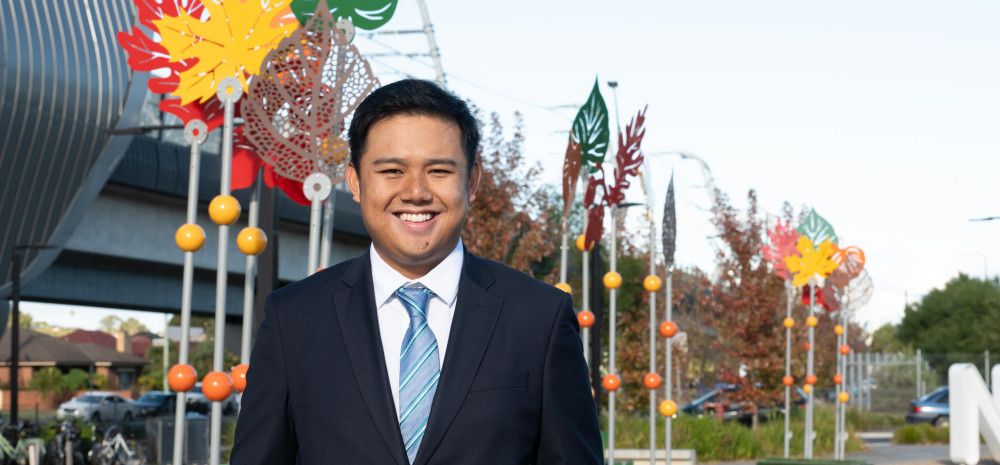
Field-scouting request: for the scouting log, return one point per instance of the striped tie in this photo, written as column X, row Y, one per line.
column 419, row 368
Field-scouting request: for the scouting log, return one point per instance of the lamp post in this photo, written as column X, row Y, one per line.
column 16, row 257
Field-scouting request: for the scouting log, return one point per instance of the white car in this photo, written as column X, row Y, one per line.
column 98, row 406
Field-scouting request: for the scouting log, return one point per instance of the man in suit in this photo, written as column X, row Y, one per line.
column 417, row 352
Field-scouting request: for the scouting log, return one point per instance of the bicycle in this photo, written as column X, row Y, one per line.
column 66, row 448
column 112, row 450
column 27, row 437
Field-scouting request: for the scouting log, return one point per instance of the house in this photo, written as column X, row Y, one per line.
column 37, row 351
column 86, row 336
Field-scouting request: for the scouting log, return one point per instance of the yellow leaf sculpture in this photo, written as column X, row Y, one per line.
column 232, row 41
column 813, row 264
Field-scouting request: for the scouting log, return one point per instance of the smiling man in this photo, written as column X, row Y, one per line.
column 417, row 352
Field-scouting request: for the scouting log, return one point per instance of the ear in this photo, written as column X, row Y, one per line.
column 353, row 182
column 475, row 176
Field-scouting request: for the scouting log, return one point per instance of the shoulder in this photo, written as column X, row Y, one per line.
column 518, row 287
column 317, row 286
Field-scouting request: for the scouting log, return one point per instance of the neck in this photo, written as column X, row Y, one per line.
column 414, row 269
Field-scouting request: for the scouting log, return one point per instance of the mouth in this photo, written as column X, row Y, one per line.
column 417, row 222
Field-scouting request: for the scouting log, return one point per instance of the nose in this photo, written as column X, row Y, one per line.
column 416, row 190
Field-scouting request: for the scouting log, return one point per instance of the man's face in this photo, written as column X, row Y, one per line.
column 414, row 188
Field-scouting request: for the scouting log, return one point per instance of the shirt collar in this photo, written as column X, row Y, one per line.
column 442, row 280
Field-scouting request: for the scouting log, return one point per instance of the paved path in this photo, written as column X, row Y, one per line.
column 895, row 455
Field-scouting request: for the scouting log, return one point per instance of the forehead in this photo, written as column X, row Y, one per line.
column 413, row 138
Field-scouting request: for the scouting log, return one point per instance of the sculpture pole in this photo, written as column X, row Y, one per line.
column 810, row 375
column 788, row 380
column 611, row 283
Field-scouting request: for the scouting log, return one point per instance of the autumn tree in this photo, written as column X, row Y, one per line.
column 510, row 219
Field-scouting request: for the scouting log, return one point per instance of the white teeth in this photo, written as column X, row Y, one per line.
column 415, row 217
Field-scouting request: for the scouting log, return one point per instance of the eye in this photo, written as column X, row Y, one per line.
column 391, row 171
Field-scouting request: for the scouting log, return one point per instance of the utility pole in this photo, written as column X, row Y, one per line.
column 16, row 258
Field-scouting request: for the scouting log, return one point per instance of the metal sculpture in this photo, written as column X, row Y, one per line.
column 628, row 160
column 668, row 329
column 811, row 267
column 852, row 262
column 364, row 14
column 782, row 241
column 295, row 116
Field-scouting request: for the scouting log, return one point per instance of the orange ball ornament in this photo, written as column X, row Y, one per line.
column 189, row 237
column 581, row 243
column 838, row 330
column 251, row 241
column 806, row 346
column 812, row 321
column 585, row 318
column 224, row 210
column 651, row 381
column 217, row 386
column 652, row 283
column 845, row 349
column 788, row 323
column 843, row 397
column 239, row 376
column 611, row 382
column 810, row 379
column 787, row 380
column 612, row 280
column 182, row 377
column 668, row 329
column 838, row 378
column 668, row 408
column 565, row 287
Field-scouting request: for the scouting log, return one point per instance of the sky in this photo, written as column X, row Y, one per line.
column 882, row 115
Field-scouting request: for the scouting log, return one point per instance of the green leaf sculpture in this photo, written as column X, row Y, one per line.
column 590, row 129
column 817, row 229
column 365, row 14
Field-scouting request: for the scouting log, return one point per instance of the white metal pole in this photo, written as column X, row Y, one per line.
column 248, row 276
column 669, row 394
column 808, row 449
column 652, row 338
column 788, row 367
column 612, row 321
column 326, row 247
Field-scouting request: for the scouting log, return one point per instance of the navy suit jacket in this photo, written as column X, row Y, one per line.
column 514, row 387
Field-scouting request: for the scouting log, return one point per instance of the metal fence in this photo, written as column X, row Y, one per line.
column 887, row 383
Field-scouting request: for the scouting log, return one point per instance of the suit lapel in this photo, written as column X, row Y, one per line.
column 356, row 312
column 476, row 315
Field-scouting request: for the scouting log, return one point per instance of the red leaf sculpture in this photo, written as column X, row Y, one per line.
column 783, row 239
column 628, row 160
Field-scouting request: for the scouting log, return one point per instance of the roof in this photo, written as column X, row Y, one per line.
column 87, row 336
column 39, row 349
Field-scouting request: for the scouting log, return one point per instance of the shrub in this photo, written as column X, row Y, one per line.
column 921, row 433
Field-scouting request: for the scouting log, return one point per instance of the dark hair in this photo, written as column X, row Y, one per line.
column 412, row 97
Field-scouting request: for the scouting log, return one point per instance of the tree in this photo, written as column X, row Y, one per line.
column 885, row 339
column 113, row 323
column 956, row 323
column 510, row 220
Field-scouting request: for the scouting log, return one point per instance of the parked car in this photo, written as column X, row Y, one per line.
column 932, row 408
column 97, row 406
column 717, row 400
column 197, row 402
column 155, row 404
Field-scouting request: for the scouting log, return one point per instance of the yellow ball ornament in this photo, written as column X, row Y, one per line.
column 190, row 237
column 224, row 210
column 251, row 241
column 652, row 283
column 668, row 408
column 807, row 389
column 565, row 287
column 789, row 323
column 812, row 321
column 612, row 280
column 843, row 397
column 581, row 243
column 838, row 330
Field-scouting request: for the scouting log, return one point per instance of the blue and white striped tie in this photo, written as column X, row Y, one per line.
column 419, row 368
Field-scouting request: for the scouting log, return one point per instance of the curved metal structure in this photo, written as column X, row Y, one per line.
column 64, row 83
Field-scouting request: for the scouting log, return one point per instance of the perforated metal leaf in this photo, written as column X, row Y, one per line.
column 669, row 225
column 365, row 14
column 571, row 174
column 817, row 229
column 296, row 108
column 590, row 129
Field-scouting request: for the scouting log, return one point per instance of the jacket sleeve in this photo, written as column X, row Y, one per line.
column 264, row 431
column 569, row 431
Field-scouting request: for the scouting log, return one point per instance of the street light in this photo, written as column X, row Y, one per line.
column 17, row 255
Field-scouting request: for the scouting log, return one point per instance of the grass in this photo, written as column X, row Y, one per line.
column 715, row 440
column 921, row 433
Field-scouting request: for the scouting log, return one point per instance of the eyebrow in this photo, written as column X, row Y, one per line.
column 400, row 161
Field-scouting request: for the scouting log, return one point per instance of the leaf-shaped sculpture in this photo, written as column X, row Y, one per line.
column 669, row 225
column 860, row 290
column 783, row 239
column 629, row 157
column 852, row 262
column 594, row 201
column 232, row 41
column 813, row 264
column 817, row 229
column 365, row 14
column 308, row 86
column 590, row 129
column 571, row 174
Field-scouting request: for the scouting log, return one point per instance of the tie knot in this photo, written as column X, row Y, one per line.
column 414, row 298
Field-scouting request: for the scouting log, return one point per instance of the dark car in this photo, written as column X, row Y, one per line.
column 156, row 403
column 932, row 408
column 716, row 402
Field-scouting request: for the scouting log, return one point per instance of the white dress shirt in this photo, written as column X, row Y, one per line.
column 393, row 320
